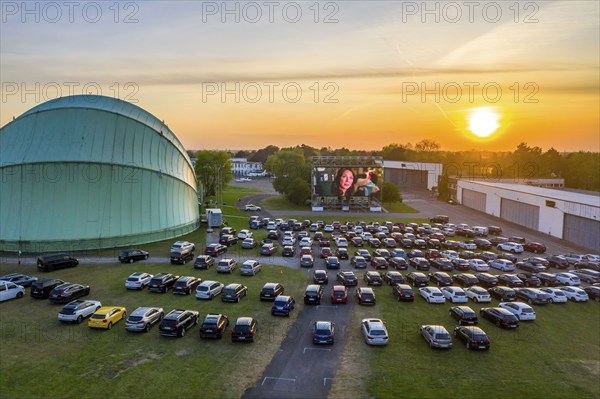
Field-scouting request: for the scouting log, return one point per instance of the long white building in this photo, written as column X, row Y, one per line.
column 572, row 216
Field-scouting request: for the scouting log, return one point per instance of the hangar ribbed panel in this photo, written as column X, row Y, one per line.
column 520, row 213
column 407, row 179
column 473, row 199
column 78, row 177
column 582, row 231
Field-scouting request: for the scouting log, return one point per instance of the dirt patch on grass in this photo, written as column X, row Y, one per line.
column 592, row 367
column 182, row 352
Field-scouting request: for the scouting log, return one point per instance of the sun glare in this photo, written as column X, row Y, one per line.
column 483, row 122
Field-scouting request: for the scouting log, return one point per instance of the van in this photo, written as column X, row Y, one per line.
column 50, row 262
column 42, row 288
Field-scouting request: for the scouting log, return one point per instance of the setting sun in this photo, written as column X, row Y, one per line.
column 483, row 122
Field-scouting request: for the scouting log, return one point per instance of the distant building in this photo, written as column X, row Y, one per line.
column 241, row 166
column 412, row 175
column 574, row 217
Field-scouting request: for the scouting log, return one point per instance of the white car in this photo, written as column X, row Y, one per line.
column 479, row 265
column 432, row 294
column 138, row 281
column 519, row 309
column 568, row 279
column 305, row 242
column 271, row 225
column 503, row 265
column 209, row 289
column 358, row 229
column 250, row 268
column 76, row 311
column 288, row 241
column 243, row 234
column 252, row 207
column 556, row 295
column 374, row 332
column 468, row 245
column 366, row 236
column 450, row 254
column 510, row 247
column 455, row 294
column 342, row 242
column 328, row 228
column 592, row 258
column 575, row 294
column 478, row 294
column 181, row 246
column 10, row 290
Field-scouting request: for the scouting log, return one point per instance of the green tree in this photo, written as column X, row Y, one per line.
column 291, row 174
column 390, row 193
column 213, row 169
column 298, row 191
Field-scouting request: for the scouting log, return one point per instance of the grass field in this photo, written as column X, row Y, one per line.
column 399, row 207
column 279, row 203
column 72, row 361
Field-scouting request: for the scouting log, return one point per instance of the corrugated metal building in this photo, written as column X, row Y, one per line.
column 572, row 216
column 87, row 172
column 412, row 175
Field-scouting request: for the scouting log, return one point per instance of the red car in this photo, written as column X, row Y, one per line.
column 306, row 251
column 326, row 252
column 535, row 247
column 433, row 254
column 339, row 294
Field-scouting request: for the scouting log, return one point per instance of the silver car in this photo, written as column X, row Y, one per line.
column 78, row 310
column 374, row 332
column 209, row 289
column 142, row 319
column 250, row 268
column 226, row 266
column 436, row 336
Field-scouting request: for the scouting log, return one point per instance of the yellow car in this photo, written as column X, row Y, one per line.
column 106, row 316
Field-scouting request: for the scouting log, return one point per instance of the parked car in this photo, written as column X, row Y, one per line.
column 478, row 294
column 436, row 336
column 358, row 262
column 270, row 291
column 324, row 332
column 501, row 317
column 373, row 278
column 138, row 280
column 181, row 256
column 417, row 279
column 419, row 263
column 558, row 261
column 473, row 337
column 588, row 275
column 556, row 295
column 215, row 250
column 374, row 332
column 510, row 247
column 252, row 208
column 249, row 243
column 441, row 279
column 209, row 289
column 398, row 263
column 234, row 292
column 575, row 294
column 106, row 317
column 177, row 322
column 283, row 305
column 161, row 282
column 479, row 265
column 42, row 288
column 204, row 262
column 183, row 246
column 339, row 294
column 332, row 262
column 131, row 255
column 23, row 280
column 464, row 315
column 442, row 264
column 214, row 326
column 465, row 279
column 403, row 292
column 320, row 277
column 593, row 292
column 549, row 279
column 454, row 294
column 534, row 247
column 502, row 265
column 379, row 262
column 533, row 296
column 76, row 311
column 487, row 280
column 503, row 293
column 510, row 280
column 393, row 278
column 567, row 279
column 313, row 294
column 250, row 267
column 432, row 294
column 364, row 253
column 307, row 261
column 68, row 292
column 226, row 265
column 365, row 296
column 50, row 262
column 347, row 278
column 143, row 318
column 244, row 330
column 532, row 267
column 519, row 309
column 529, row 279
column 186, row 285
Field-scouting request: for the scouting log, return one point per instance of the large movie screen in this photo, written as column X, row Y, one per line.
column 347, row 182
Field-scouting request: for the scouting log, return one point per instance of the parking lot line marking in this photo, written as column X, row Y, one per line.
column 326, row 306
column 325, row 380
column 277, row 378
column 315, row 349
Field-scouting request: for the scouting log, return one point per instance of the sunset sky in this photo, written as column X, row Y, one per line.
column 355, row 74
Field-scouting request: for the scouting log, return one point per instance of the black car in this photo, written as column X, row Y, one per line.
column 227, row 231
column 393, row 278
column 487, row 280
column 204, row 262
column 161, row 282
column 234, row 292
column 419, row 263
column 215, row 250
column 320, row 277
column 463, row 314
column 185, row 285
column 420, row 244
column 244, row 330
column 500, row 316
column 439, row 219
column 503, row 293
column 214, row 326
column 403, row 292
column 417, row 279
column 510, row 280
column 465, row 280
column 359, row 262
column 270, row 291
column 332, row 262
column 558, row 261
column 382, row 252
column 534, row 296
column 68, row 292
column 529, row 279
column 313, row 294
column 398, row 263
column 50, row 262
column 177, row 322
column 379, row 262
column 441, row 279
column 442, row 264
column 374, row 243
column 42, row 288
column 364, row 253
column 342, row 253
column 373, row 278
column 323, row 332
column 532, row 267
column 181, row 256
column 131, row 255
column 482, row 243
column 228, row 240
column 365, row 296
column 473, row 337
column 461, row 264
column 593, row 292
column 548, row 279
column 288, row 251
column 495, row 230
column 347, row 278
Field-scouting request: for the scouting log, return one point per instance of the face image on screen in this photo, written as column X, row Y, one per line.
column 345, row 182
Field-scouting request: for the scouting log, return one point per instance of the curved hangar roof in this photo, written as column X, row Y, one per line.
column 84, row 172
